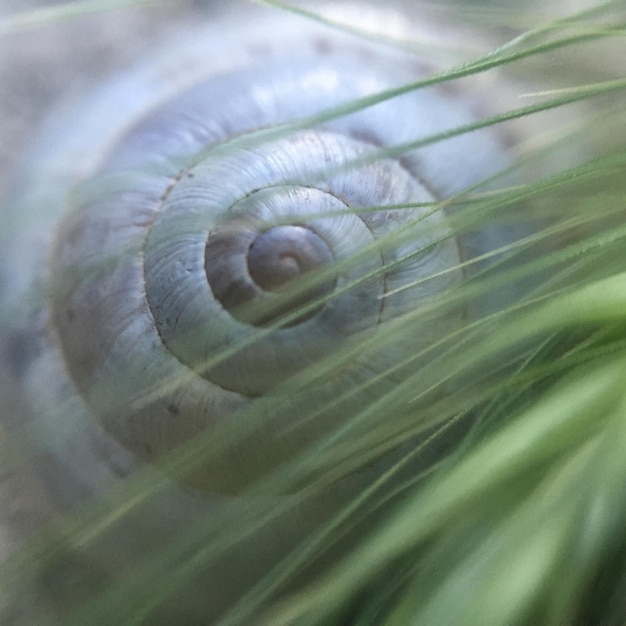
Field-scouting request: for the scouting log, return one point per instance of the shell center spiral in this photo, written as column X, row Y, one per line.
column 283, row 273
column 284, row 253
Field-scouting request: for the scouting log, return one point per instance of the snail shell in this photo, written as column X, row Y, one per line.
column 210, row 224
column 217, row 238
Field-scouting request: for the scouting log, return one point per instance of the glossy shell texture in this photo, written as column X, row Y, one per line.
column 198, row 231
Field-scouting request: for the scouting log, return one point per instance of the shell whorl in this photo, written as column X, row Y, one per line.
column 211, row 245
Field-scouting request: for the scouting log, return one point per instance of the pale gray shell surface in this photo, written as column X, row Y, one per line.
column 129, row 263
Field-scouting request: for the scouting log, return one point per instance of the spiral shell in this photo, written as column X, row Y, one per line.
column 224, row 218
